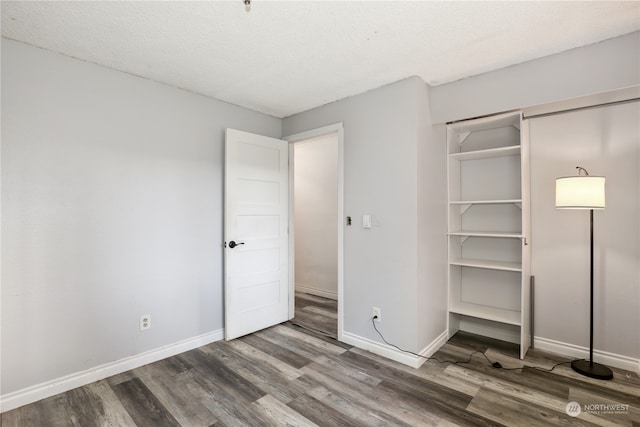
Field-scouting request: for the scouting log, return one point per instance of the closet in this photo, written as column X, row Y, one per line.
column 489, row 228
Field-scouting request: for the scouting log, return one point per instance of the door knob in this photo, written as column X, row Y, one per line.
column 233, row 244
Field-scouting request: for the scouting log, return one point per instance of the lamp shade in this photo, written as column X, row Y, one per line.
column 580, row 192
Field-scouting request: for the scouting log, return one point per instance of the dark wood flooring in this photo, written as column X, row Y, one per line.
column 291, row 376
column 317, row 313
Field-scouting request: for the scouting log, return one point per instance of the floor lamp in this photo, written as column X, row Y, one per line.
column 584, row 192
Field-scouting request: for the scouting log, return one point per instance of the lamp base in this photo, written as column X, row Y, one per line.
column 592, row 370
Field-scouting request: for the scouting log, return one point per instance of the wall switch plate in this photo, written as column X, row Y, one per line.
column 375, row 311
column 145, row 322
column 366, row 221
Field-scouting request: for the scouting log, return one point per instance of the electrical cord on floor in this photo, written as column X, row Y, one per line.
column 496, row 365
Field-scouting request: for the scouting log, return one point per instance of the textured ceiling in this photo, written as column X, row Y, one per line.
column 289, row 56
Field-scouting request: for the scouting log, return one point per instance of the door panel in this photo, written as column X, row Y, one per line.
column 256, row 220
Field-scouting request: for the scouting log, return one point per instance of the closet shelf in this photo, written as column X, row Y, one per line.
column 513, row 150
column 511, row 235
column 489, row 264
column 485, row 312
column 486, row 202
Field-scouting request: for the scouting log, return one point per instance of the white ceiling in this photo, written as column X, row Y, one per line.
column 284, row 57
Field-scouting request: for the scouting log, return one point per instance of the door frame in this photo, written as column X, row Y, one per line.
column 338, row 129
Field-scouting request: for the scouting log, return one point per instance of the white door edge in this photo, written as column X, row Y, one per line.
column 338, row 129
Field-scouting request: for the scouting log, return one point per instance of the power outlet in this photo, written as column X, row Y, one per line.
column 145, row 322
column 376, row 313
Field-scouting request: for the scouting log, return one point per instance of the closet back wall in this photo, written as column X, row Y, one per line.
column 605, row 141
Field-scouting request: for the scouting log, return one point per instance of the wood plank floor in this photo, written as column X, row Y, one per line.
column 291, row 376
column 317, row 313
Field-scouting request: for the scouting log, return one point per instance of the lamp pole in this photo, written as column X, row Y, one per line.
column 591, row 291
column 581, row 366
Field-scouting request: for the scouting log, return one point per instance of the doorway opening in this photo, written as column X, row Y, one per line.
column 316, row 234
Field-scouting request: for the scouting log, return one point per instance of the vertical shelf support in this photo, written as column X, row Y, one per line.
column 462, row 137
column 464, row 208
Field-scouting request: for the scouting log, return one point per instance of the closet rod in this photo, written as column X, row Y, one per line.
column 586, row 107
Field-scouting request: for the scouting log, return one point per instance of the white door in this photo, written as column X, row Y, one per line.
column 256, row 207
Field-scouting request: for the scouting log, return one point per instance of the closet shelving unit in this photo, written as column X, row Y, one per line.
column 489, row 267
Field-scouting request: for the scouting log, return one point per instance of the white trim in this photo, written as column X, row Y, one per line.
column 78, row 379
column 606, row 358
column 434, row 345
column 316, row 291
column 393, row 353
column 314, row 133
column 292, row 234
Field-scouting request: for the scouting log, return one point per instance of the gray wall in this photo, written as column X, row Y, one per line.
column 432, row 222
column 605, row 141
column 381, row 178
column 111, row 208
column 601, row 67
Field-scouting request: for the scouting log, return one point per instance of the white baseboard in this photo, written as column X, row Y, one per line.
column 579, row 352
column 60, row 385
column 315, row 291
column 393, row 353
column 434, row 346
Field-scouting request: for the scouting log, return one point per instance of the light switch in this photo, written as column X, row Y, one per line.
column 366, row 221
